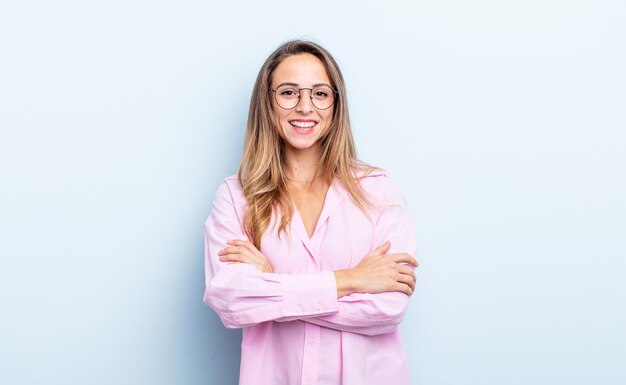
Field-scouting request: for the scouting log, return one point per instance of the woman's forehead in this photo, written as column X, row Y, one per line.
column 303, row 70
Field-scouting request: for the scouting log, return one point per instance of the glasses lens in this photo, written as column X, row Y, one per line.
column 287, row 96
column 323, row 97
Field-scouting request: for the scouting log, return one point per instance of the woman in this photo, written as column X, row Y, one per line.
column 308, row 249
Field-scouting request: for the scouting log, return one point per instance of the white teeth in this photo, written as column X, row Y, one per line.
column 302, row 124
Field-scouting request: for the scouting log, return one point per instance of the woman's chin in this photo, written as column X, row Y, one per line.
column 301, row 145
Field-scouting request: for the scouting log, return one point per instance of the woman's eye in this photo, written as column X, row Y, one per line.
column 288, row 93
column 321, row 94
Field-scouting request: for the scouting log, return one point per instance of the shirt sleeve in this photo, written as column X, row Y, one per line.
column 379, row 313
column 244, row 296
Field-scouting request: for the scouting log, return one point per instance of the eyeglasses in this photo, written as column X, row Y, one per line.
column 288, row 96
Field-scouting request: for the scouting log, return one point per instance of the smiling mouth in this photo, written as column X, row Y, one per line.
column 303, row 126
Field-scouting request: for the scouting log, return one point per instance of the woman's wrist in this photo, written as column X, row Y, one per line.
column 346, row 282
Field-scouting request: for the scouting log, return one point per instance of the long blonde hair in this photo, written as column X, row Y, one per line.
column 262, row 174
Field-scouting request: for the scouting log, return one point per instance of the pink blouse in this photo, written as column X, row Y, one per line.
column 295, row 330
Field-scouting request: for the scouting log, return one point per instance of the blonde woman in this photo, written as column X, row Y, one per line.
column 308, row 249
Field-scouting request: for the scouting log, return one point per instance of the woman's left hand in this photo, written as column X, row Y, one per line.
column 245, row 252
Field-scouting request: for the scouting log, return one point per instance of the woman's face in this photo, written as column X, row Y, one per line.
column 302, row 126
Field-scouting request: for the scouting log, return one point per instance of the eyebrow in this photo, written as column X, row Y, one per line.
column 297, row 85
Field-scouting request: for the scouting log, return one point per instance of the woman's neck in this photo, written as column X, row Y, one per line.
column 302, row 166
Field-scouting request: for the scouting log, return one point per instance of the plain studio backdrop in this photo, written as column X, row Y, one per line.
column 503, row 122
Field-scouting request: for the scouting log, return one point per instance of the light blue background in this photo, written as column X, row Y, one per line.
column 503, row 122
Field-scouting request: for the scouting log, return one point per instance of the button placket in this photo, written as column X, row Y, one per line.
column 310, row 359
column 310, row 356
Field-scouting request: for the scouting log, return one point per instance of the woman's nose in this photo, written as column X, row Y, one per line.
column 305, row 104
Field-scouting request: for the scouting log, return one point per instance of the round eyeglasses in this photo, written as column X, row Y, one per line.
column 288, row 96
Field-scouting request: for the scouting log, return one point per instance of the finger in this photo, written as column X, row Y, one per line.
column 248, row 245
column 231, row 258
column 401, row 287
column 407, row 280
column 254, row 250
column 236, row 242
column 252, row 258
column 240, row 258
column 404, row 269
column 382, row 249
column 230, row 250
column 236, row 250
column 405, row 258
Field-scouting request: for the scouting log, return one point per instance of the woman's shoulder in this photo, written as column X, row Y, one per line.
column 229, row 187
column 377, row 184
column 232, row 181
column 229, row 195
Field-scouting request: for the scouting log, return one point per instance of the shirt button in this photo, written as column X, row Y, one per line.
column 319, row 306
column 312, row 340
column 299, row 308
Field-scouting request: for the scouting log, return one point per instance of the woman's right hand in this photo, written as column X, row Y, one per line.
column 378, row 272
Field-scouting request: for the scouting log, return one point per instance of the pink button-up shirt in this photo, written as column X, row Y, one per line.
column 295, row 330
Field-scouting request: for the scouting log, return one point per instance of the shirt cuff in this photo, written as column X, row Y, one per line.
column 310, row 294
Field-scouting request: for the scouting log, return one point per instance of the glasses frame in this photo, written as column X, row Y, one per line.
column 335, row 92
